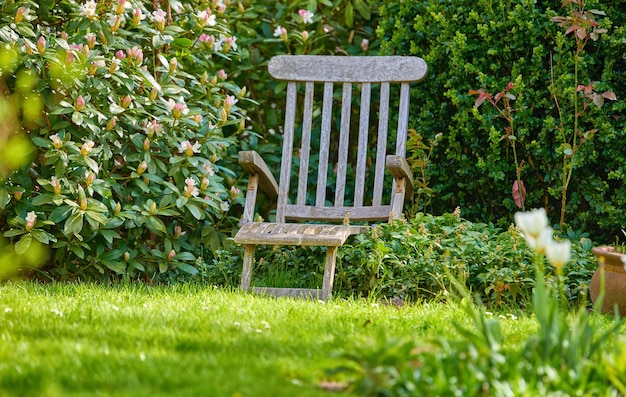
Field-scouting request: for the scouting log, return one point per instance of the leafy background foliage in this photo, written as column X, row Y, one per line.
column 471, row 45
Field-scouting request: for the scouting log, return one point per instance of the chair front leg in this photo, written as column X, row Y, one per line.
column 248, row 261
column 329, row 273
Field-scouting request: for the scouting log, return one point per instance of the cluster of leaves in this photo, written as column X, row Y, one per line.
column 471, row 45
column 478, row 363
column 131, row 114
column 413, row 259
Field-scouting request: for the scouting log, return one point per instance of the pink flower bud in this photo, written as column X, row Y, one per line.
column 171, row 255
column 80, row 103
column 120, row 7
column 146, row 144
column 41, row 45
column 17, row 195
column 142, row 167
column 30, row 219
column 111, row 124
column 20, row 14
column 365, row 44
column 137, row 16
column 126, row 101
column 222, row 74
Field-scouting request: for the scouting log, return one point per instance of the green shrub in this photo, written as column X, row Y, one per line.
column 413, row 259
column 131, row 117
column 471, row 45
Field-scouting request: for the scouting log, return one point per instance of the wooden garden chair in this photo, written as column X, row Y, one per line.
column 305, row 214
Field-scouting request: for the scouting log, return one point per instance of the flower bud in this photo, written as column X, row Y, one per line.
column 82, row 198
column 90, row 178
column 117, row 209
column 41, row 45
column 204, row 183
column 153, row 208
column 120, row 7
column 17, row 195
column 305, row 36
column 153, row 94
column 137, row 16
column 126, row 101
column 171, row 255
column 111, row 124
column 20, row 14
column 126, row 256
column 80, row 103
column 146, row 144
column 30, row 219
column 204, row 77
column 142, row 167
column 173, row 65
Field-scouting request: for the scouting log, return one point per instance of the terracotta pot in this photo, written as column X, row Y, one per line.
column 614, row 280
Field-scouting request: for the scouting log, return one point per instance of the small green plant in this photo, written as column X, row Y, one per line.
column 581, row 24
column 479, row 362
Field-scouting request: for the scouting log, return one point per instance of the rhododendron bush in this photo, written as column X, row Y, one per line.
column 130, row 112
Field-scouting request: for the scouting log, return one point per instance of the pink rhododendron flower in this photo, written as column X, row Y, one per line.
column 153, row 126
column 205, row 18
column 305, row 16
column 188, row 148
column 56, row 141
column 222, row 74
column 158, row 17
column 30, row 219
column 138, row 16
column 86, row 148
column 21, row 13
column 88, row 9
column 190, row 188
column 280, row 32
column 56, row 185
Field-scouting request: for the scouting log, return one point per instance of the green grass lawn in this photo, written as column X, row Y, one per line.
column 135, row 340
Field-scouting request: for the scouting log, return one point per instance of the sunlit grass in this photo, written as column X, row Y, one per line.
column 190, row 340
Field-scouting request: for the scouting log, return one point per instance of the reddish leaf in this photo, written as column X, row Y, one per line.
column 598, row 100
column 519, row 195
column 610, row 95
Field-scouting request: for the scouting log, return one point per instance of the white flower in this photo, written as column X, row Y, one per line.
column 89, row 9
column 533, row 222
column 559, row 253
column 278, row 31
column 306, row 16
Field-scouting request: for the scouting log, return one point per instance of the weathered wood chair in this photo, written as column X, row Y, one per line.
column 357, row 171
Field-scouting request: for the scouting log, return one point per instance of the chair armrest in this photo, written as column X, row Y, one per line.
column 400, row 169
column 254, row 164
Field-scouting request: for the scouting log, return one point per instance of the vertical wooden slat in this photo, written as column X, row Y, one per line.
column 381, row 150
column 344, row 138
column 364, row 118
column 285, row 165
column 327, row 109
column 305, row 147
column 403, row 119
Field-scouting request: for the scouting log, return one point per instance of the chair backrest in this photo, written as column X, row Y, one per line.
column 322, row 132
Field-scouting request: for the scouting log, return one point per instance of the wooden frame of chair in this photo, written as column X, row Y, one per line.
column 309, row 70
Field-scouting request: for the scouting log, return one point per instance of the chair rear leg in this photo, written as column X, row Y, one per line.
column 329, row 273
column 248, row 261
